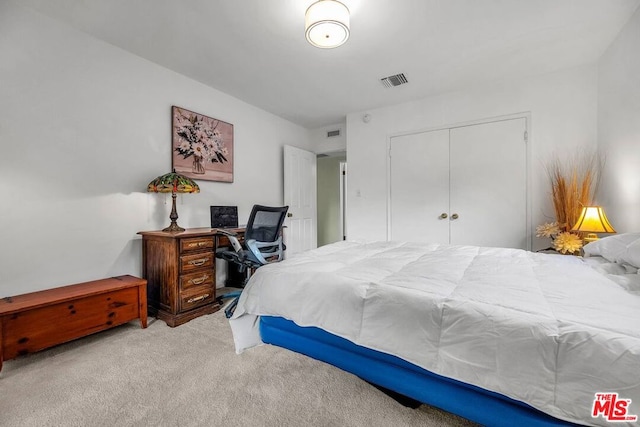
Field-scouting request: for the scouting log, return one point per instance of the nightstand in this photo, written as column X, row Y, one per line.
column 180, row 268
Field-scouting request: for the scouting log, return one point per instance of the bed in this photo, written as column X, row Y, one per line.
column 498, row 336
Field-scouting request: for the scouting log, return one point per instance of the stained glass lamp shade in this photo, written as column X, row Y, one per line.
column 173, row 183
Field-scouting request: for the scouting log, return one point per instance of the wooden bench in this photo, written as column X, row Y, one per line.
column 38, row 320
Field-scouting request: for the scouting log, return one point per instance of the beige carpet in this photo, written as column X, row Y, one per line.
column 191, row 376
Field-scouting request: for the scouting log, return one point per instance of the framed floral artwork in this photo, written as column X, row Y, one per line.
column 201, row 146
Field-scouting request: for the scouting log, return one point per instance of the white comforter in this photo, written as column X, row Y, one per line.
column 545, row 329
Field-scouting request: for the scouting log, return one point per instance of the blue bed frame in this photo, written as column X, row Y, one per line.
column 468, row 401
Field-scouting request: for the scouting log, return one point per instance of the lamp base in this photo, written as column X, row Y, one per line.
column 591, row 237
column 174, row 227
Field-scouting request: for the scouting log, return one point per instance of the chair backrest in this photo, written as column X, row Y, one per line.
column 265, row 223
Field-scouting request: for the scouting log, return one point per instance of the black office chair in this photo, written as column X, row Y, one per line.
column 262, row 245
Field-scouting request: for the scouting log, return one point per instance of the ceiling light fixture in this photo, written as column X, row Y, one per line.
column 327, row 24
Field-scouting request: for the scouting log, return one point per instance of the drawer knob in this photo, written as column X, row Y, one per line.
column 200, row 261
column 196, row 299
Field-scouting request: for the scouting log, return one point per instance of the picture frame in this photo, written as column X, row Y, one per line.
column 201, row 146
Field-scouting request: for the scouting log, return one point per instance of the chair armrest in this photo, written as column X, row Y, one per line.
column 232, row 238
column 254, row 246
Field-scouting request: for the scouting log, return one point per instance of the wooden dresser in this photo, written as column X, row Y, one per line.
column 180, row 269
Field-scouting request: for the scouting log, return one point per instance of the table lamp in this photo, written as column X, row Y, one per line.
column 173, row 183
column 593, row 220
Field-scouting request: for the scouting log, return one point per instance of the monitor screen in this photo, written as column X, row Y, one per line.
column 224, row 217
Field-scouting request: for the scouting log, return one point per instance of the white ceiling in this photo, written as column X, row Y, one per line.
column 255, row 50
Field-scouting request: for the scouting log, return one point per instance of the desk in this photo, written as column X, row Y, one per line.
column 180, row 269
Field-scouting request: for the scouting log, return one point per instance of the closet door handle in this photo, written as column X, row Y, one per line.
column 443, row 215
column 454, row 216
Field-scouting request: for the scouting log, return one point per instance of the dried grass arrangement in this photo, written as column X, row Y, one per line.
column 574, row 184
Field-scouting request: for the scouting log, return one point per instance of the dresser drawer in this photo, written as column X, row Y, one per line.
column 195, row 244
column 189, row 263
column 201, row 278
column 223, row 241
column 196, row 297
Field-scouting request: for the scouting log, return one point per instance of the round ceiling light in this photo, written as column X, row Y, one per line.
column 327, row 24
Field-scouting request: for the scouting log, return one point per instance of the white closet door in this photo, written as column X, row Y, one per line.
column 419, row 187
column 489, row 184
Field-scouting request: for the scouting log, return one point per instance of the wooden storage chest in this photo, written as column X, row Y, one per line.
column 38, row 320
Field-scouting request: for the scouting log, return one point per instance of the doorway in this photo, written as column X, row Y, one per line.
column 331, row 173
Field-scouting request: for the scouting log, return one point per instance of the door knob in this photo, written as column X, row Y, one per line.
column 289, row 215
column 443, row 215
column 454, row 216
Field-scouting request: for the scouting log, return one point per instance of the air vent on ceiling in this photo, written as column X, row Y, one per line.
column 332, row 133
column 395, row 80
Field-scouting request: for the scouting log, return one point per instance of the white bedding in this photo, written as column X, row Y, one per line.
column 549, row 330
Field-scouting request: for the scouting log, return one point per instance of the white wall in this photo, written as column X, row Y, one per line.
column 619, row 127
column 84, row 127
column 323, row 144
column 564, row 116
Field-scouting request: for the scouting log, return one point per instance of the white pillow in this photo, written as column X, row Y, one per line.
column 621, row 248
column 632, row 256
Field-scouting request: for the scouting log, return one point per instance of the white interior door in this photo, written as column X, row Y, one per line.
column 300, row 195
column 419, row 187
column 489, row 184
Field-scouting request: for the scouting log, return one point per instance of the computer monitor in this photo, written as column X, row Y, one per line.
column 224, row 217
